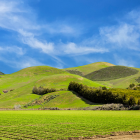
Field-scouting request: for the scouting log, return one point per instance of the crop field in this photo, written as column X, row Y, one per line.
column 63, row 124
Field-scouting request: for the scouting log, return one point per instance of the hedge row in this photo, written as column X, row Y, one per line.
column 100, row 95
column 41, row 90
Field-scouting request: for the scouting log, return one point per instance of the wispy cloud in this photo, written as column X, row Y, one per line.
column 126, row 32
column 124, row 61
column 18, row 17
column 21, row 63
column 12, row 49
column 74, row 49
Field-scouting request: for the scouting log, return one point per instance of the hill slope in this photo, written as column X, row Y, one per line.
column 1, row 73
column 86, row 69
column 111, row 73
column 22, row 82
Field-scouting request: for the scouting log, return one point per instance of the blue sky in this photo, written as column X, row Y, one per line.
column 68, row 33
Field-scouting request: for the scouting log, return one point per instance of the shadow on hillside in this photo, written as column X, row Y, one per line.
column 85, row 100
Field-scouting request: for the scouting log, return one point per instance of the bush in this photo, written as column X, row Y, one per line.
column 104, row 88
column 41, row 91
column 138, row 101
column 131, row 101
column 131, row 85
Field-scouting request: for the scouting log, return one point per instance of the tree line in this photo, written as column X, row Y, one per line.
column 101, row 95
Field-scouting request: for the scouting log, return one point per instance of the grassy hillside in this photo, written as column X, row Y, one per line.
column 122, row 82
column 119, row 79
column 60, row 99
column 1, row 73
column 86, row 69
column 111, row 73
column 22, row 82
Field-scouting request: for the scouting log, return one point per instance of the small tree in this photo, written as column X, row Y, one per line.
column 131, row 101
column 104, row 88
column 131, row 85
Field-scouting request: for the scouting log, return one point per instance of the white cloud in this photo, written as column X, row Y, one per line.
column 126, row 33
column 12, row 49
column 45, row 47
column 21, row 63
column 72, row 48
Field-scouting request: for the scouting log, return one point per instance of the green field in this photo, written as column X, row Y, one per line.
column 64, row 124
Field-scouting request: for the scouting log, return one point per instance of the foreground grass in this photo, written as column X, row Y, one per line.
column 64, row 124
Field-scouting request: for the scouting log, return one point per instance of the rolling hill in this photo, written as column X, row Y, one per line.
column 86, row 69
column 111, row 73
column 21, row 83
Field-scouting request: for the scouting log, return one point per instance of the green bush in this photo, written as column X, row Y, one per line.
column 132, row 85
column 131, row 101
column 41, row 90
column 104, row 88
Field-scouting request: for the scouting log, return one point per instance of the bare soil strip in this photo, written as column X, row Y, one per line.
column 130, row 135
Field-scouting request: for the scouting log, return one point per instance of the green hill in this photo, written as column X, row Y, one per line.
column 111, row 73
column 116, row 79
column 21, row 83
column 1, row 73
column 86, row 69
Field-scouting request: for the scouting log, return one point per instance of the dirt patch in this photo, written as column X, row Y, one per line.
column 80, row 78
column 130, row 135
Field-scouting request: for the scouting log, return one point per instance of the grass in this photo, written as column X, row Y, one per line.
column 111, row 73
column 86, row 69
column 63, row 124
column 62, row 81
column 60, row 99
column 122, row 82
column 24, row 80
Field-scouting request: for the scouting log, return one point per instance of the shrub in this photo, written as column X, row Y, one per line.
column 131, row 85
column 104, row 88
column 131, row 101
column 41, row 90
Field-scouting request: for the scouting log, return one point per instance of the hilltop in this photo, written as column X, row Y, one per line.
column 86, row 69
